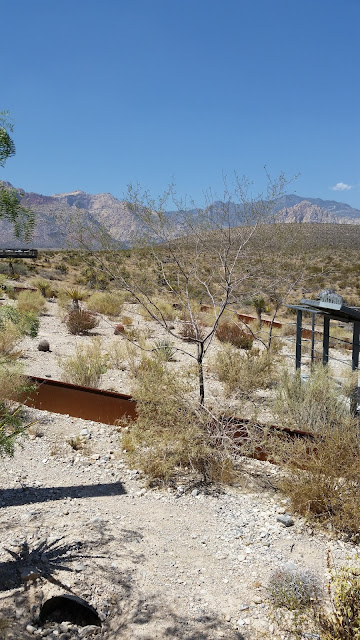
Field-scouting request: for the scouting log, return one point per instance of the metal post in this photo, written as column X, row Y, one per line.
column 298, row 339
column 326, row 340
column 355, row 349
column 355, row 366
column 312, row 338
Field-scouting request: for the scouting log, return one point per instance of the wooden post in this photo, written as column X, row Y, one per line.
column 326, row 340
column 298, row 339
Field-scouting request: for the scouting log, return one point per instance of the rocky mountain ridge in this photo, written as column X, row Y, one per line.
column 54, row 212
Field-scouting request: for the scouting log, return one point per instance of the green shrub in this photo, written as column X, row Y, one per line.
column 31, row 301
column 45, row 288
column 13, row 384
column 108, row 303
column 79, row 321
column 86, row 366
column 27, row 323
column 164, row 350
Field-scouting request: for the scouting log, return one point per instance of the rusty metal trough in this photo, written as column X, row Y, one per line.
column 109, row 407
column 80, row 402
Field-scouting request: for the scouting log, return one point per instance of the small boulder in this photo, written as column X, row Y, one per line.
column 119, row 329
column 43, row 345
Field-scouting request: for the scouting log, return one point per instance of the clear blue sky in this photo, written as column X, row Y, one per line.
column 107, row 92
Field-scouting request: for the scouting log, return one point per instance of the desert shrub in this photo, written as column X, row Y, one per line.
column 244, row 373
column 27, row 322
column 292, row 588
column 161, row 309
column 80, row 321
column 323, row 478
column 86, row 366
column 76, row 295
column 164, row 350
column 10, row 337
column 323, row 482
column 118, row 353
column 192, row 330
column 309, row 405
column 342, row 622
column 13, row 384
column 233, row 334
column 45, row 288
column 108, row 303
column 170, row 436
column 31, row 301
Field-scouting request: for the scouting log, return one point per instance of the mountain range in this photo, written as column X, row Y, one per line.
column 103, row 209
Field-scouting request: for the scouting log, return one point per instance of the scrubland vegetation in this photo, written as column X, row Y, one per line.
column 177, row 438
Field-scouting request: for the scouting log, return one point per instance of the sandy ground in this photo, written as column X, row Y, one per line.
column 189, row 563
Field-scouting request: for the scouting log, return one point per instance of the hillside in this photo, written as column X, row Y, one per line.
column 54, row 212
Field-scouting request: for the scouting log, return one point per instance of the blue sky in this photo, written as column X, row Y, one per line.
column 103, row 93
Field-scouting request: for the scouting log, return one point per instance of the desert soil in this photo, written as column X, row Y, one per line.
column 190, row 563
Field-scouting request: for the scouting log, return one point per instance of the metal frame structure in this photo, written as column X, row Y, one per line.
column 19, row 253
column 331, row 306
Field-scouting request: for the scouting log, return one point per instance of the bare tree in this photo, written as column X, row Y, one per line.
column 201, row 255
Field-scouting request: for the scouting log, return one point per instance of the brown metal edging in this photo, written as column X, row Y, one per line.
column 80, row 402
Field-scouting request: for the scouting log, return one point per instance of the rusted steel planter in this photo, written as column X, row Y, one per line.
column 80, row 402
column 238, row 429
column 109, row 407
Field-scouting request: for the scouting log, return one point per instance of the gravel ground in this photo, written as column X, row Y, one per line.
column 187, row 563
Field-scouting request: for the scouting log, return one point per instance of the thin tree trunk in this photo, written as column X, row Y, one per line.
column 272, row 325
column 200, row 357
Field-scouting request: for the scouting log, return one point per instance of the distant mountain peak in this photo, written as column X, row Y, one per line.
column 116, row 216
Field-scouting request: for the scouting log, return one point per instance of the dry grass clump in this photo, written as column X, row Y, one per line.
column 86, row 366
column 10, row 337
column 192, row 330
column 79, row 321
column 160, row 309
column 324, row 474
column 312, row 405
column 233, row 334
column 170, row 436
column 293, row 588
column 31, row 302
column 244, row 373
column 108, row 303
column 342, row 622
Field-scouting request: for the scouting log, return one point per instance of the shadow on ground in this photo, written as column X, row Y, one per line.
column 150, row 620
column 31, row 495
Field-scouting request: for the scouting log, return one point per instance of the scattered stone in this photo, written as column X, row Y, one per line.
column 43, row 345
column 195, row 492
column 286, row 520
column 30, row 628
column 119, row 329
